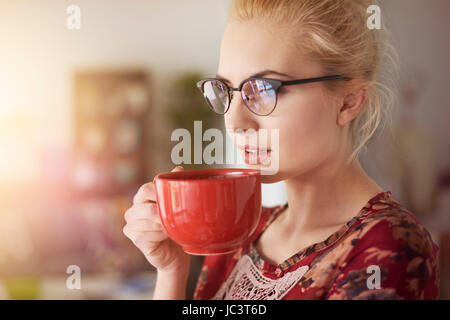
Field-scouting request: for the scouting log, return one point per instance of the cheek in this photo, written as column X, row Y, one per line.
column 308, row 133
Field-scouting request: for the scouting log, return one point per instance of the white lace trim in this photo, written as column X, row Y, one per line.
column 247, row 283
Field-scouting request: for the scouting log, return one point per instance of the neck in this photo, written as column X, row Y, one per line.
column 327, row 196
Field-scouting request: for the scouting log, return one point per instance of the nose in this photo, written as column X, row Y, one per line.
column 238, row 115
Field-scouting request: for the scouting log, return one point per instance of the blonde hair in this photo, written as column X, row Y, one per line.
column 335, row 33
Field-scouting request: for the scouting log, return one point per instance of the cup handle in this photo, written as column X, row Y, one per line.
column 154, row 185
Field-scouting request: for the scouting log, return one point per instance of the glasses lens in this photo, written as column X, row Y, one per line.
column 259, row 96
column 216, row 94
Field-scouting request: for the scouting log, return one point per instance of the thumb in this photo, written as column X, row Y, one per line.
column 177, row 168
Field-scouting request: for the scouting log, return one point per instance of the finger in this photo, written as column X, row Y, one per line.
column 176, row 169
column 144, row 225
column 144, row 237
column 138, row 211
column 146, row 193
column 143, row 211
column 149, row 238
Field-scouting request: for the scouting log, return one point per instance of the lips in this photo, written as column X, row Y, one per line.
column 255, row 155
column 253, row 149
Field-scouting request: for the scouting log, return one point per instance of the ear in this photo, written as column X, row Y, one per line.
column 351, row 106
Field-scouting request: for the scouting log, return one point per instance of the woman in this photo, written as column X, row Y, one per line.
column 340, row 236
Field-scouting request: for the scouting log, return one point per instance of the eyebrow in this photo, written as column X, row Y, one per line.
column 259, row 74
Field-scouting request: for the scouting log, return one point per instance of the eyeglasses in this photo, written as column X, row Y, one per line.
column 259, row 94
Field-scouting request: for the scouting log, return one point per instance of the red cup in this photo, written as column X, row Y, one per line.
column 209, row 211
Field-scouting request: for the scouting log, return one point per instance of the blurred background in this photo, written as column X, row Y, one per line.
column 86, row 117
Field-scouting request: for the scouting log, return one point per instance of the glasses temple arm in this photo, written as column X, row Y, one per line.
column 291, row 82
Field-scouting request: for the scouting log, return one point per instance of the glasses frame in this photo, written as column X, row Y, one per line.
column 275, row 83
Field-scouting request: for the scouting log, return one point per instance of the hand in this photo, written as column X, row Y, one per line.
column 144, row 228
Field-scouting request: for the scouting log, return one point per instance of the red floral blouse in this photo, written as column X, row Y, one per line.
column 384, row 252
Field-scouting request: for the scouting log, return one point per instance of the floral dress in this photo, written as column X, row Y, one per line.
column 384, row 252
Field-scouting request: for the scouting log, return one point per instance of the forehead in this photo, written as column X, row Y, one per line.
column 250, row 47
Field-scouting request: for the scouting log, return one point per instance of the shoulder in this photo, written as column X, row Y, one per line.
column 387, row 236
column 384, row 222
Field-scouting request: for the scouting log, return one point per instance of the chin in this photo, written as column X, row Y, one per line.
column 280, row 175
column 269, row 174
column 271, row 178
